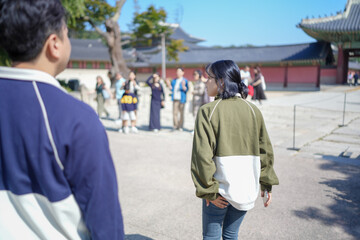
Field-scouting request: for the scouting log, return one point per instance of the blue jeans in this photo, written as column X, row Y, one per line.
column 221, row 221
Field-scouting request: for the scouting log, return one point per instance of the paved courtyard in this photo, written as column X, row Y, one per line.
column 319, row 192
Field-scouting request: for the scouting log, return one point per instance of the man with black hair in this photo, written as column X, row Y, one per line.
column 57, row 178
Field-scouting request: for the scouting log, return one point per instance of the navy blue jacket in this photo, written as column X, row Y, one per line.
column 57, row 178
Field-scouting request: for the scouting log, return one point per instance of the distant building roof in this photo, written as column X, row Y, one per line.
column 284, row 53
column 341, row 27
column 88, row 49
column 179, row 33
column 94, row 50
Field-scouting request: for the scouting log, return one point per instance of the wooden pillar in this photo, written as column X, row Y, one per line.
column 340, row 65
column 286, row 76
column 318, row 76
column 345, row 66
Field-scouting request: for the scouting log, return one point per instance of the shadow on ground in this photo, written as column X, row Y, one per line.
column 136, row 237
column 345, row 192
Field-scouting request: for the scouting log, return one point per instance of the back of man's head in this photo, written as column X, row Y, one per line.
column 26, row 24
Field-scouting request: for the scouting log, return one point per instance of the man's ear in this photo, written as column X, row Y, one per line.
column 53, row 46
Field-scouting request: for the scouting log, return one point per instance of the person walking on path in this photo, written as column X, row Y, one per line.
column 232, row 156
column 179, row 88
column 119, row 90
column 57, row 175
column 258, row 86
column 101, row 92
column 199, row 93
column 157, row 101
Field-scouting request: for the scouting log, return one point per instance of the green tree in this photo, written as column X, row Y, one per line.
column 97, row 13
column 148, row 28
column 75, row 10
column 173, row 49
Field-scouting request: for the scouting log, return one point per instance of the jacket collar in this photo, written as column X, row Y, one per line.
column 22, row 74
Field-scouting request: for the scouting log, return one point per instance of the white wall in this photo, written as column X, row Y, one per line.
column 85, row 76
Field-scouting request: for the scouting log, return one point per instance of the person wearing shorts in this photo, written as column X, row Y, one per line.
column 129, row 105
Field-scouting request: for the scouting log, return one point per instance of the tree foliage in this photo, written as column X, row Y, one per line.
column 96, row 13
column 75, row 10
column 148, row 27
column 173, row 49
column 81, row 11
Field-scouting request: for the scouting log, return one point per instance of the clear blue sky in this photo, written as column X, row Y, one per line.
column 239, row 22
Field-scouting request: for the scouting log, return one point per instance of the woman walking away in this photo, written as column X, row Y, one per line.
column 199, row 93
column 100, row 91
column 232, row 156
column 157, row 101
column 257, row 84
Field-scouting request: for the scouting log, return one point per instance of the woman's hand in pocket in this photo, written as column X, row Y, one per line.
column 220, row 202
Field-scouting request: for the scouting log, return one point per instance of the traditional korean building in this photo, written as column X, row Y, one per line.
column 342, row 30
column 296, row 66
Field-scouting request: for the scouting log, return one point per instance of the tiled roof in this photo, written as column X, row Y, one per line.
column 93, row 50
column 346, row 22
column 88, row 49
column 179, row 33
column 299, row 52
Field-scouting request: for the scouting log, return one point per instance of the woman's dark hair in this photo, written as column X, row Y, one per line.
column 26, row 24
column 180, row 69
column 227, row 73
column 198, row 71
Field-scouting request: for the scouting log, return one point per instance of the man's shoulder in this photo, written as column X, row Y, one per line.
column 64, row 105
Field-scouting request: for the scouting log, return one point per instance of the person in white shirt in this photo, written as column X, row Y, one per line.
column 245, row 75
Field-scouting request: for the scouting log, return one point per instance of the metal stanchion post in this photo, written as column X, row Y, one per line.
column 294, row 148
column 343, row 122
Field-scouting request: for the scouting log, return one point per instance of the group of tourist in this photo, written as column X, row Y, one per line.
column 127, row 97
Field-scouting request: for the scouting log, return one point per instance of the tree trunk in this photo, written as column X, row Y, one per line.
column 113, row 38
